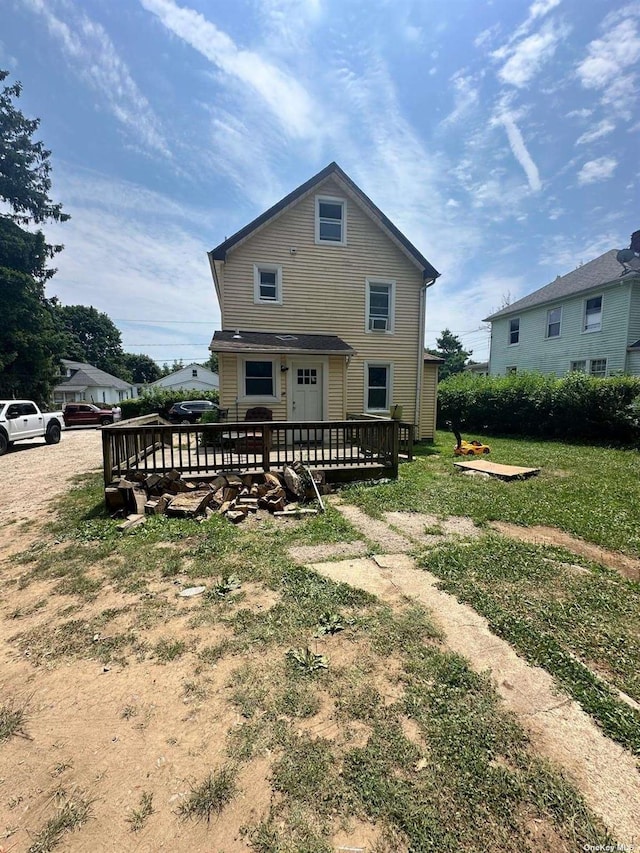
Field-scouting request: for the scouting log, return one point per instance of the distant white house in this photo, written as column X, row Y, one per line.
column 193, row 377
column 83, row 381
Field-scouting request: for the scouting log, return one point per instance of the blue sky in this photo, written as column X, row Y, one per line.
column 501, row 137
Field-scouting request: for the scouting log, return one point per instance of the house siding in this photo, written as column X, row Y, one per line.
column 427, row 426
column 324, row 291
column 535, row 352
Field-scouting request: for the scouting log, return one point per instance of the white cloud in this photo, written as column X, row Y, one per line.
column 583, row 113
column 93, row 54
column 519, row 149
column 541, row 7
column 597, row 170
column 608, row 62
column 529, row 55
column 466, row 96
column 604, row 128
column 280, row 92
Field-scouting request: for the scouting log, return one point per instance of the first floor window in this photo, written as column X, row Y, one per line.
column 511, row 371
column 554, row 318
column 258, row 379
column 598, row 367
column 514, row 331
column 593, row 314
column 579, row 366
column 378, row 381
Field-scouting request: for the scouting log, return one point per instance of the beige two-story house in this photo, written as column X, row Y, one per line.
column 323, row 311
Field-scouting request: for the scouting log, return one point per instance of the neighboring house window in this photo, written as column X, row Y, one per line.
column 378, row 389
column 598, row 367
column 258, row 378
column 514, row 332
column 593, row 314
column 331, row 224
column 194, row 372
column 579, row 366
column 554, row 318
column 511, row 371
column 267, row 283
column 380, row 305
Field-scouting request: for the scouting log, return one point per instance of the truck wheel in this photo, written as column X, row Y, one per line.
column 106, row 421
column 53, row 434
column 4, row 444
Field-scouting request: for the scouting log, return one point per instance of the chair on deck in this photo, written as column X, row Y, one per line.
column 251, row 442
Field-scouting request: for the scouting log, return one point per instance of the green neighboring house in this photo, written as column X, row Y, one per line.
column 587, row 320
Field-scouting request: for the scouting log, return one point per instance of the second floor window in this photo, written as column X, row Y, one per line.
column 514, row 331
column 593, row 314
column 267, row 283
column 330, row 221
column 380, row 297
column 554, row 319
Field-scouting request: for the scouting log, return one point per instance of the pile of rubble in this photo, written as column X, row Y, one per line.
column 233, row 495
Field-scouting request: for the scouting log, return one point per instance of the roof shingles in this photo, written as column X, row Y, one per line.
column 596, row 273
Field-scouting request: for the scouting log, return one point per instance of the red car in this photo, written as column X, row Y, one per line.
column 86, row 414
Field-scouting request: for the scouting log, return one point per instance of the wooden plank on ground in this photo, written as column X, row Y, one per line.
column 503, row 472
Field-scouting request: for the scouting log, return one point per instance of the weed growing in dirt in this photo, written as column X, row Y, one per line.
column 12, row 720
column 72, row 814
column 211, row 796
column 139, row 816
column 168, row 650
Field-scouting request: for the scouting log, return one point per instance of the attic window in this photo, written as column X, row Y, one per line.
column 267, row 283
column 331, row 226
column 194, row 372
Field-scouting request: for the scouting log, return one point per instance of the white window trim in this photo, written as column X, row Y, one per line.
column 574, row 361
column 389, row 366
column 547, row 336
column 257, row 269
column 511, row 320
column 242, row 396
column 392, row 305
column 586, row 331
column 606, row 368
column 331, row 200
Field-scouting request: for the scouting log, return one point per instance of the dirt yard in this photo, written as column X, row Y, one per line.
column 34, row 474
column 118, row 731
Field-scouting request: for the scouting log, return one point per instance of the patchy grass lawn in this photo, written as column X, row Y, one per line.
column 278, row 712
column 591, row 492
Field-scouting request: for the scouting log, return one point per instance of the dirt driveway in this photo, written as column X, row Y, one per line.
column 32, row 473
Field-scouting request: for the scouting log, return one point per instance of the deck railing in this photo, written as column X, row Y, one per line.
column 150, row 445
column 406, row 431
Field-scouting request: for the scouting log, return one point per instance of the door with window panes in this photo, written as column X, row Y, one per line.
column 306, row 396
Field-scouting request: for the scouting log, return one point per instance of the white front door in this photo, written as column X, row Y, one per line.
column 307, row 391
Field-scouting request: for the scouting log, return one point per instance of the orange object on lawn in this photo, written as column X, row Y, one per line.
column 471, row 448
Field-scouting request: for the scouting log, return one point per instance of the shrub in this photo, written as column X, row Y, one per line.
column 161, row 400
column 575, row 406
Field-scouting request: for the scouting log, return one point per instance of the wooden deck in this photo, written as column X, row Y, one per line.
column 342, row 449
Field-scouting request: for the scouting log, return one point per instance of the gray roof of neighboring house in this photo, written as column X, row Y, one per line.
column 87, row 375
column 596, row 273
column 428, row 356
column 278, row 342
column 220, row 252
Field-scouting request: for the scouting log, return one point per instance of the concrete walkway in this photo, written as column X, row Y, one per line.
column 605, row 772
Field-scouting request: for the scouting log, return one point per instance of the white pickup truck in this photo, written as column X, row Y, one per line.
column 22, row 419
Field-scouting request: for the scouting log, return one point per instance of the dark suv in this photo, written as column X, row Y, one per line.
column 190, row 411
column 84, row 414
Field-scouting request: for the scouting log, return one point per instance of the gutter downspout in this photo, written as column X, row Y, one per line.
column 423, row 309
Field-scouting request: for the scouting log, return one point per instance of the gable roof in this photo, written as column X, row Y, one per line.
column 204, row 374
column 230, row 340
column 596, row 273
column 86, row 375
column 220, row 252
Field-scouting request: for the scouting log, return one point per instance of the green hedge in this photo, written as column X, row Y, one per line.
column 536, row 404
column 161, row 401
